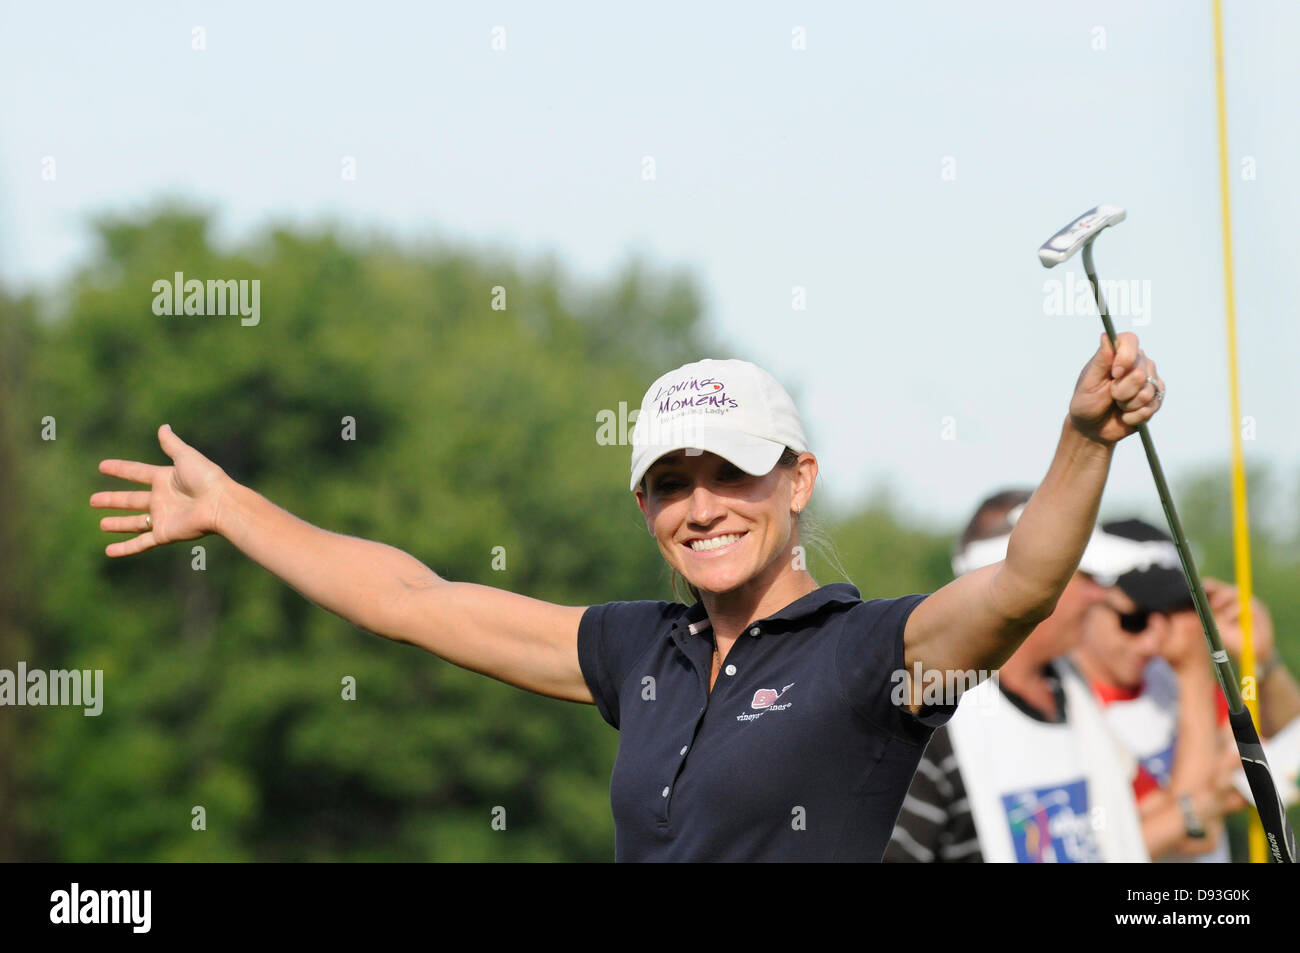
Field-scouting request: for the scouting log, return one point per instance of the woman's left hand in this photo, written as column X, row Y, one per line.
column 1115, row 392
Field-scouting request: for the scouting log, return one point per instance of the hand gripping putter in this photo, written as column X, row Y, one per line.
column 1081, row 233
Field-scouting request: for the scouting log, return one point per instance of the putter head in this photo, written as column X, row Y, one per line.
column 1078, row 233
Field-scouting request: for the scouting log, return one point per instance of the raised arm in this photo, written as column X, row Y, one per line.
column 978, row 620
column 379, row 588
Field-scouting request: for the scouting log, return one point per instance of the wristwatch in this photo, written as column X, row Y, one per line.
column 1191, row 821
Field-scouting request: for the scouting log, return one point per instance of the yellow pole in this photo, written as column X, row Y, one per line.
column 1240, row 522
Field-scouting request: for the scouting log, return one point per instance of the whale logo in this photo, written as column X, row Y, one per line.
column 766, row 697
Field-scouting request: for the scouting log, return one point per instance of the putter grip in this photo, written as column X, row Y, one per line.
column 1268, row 803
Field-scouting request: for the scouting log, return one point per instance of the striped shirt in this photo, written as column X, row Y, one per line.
column 935, row 824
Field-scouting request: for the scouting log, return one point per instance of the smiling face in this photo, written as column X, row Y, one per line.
column 742, row 526
column 1111, row 651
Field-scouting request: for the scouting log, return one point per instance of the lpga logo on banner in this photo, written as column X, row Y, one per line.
column 1073, row 296
column 1052, row 825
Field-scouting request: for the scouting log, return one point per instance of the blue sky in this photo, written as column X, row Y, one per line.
column 775, row 168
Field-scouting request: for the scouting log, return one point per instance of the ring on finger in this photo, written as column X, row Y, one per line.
column 1160, row 391
column 148, row 520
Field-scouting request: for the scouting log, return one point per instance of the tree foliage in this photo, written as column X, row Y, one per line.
column 475, row 429
column 475, row 438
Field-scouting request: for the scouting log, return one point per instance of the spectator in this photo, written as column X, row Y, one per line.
column 1144, row 653
column 1027, row 769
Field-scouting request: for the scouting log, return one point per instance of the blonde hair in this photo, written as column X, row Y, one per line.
column 811, row 536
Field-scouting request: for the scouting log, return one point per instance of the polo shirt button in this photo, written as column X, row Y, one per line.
column 730, row 670
column 665, row 792
column 683, row 751
column 754, row 631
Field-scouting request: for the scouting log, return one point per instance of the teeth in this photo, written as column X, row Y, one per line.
column 718, row 542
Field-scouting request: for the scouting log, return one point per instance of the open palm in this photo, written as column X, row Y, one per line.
column 181, row 502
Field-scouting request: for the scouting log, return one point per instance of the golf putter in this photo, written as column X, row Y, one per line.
column 1081, row 233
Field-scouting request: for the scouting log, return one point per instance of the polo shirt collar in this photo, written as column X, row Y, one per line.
column 695, row 618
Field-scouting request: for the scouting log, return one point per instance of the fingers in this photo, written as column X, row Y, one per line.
column 1119, row 380
column 1140, row 391
column 1232, row 802
column 1135, row 417
column 1221, row 596
column 1140, row 416
column 1225, row 600
column 1125, row 390
column 1130, row 368
column 131, row 546
column 1104, row 359
column 129, row 470
column 1126, row 354
column 170, row 443
column 125, row 524
column 120, row 500
column 133, row 500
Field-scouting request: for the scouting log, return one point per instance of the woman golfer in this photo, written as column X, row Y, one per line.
column 774, row 719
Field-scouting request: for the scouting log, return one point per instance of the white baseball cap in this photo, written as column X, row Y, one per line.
column 1108, row 555
column 732, row 408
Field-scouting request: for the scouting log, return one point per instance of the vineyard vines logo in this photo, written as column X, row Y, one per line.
column 766, row 697
column 765, row 700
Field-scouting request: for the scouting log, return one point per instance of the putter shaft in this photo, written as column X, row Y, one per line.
column 1253, row 761
column 1222, row 664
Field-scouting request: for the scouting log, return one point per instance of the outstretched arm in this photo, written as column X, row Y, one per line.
column 978, row 620
column 379, row 588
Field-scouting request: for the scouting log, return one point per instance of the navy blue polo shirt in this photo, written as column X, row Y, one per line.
column 798, row 754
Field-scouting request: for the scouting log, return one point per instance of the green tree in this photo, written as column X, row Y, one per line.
column 475, row 439
column 17, row 329
column 475, row 436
